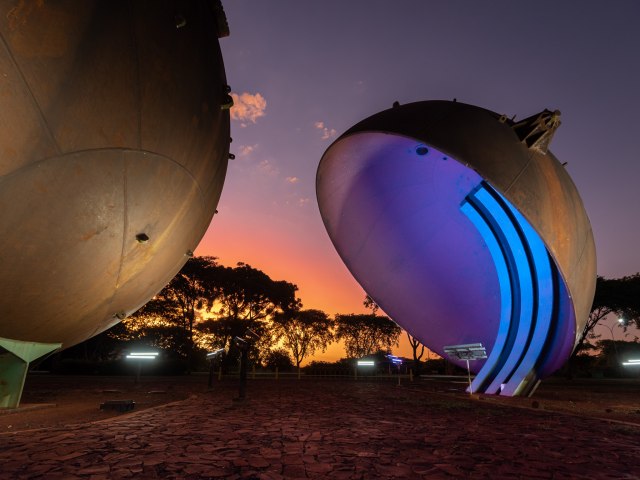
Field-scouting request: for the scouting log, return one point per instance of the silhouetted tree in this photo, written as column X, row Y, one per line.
column 303, row 332
column 246, row 299
column 278, row 358
column 371, row 304
column 415, row 344
column 168, row 320
column 413, row 341
column 365, row 334
column 619, row 296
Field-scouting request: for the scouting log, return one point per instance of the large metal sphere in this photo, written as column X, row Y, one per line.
column 113, row 153
column 464, row 228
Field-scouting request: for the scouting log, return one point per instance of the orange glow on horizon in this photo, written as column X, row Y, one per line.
column 323, row 281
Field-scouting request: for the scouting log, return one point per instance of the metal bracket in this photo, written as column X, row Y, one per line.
column 537, row 131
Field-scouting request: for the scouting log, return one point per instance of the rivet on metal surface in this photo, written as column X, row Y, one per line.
column 120, row 315
column 180, row 21
column 189, row 254
column 422, row 150
column 232, row 156
column 503, row 118
column 142, row 238
column 215, row 212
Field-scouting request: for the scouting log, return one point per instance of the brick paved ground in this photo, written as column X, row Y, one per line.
column 334, row 430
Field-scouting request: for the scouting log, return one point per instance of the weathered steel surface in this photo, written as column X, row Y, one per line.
column 111, row 128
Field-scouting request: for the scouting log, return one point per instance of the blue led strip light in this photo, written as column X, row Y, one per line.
column 526, row 279
column 491, row 366
column 524, row 378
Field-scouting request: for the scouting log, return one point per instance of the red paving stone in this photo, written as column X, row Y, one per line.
column 335, row 430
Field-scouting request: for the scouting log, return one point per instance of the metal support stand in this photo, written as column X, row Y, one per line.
column 210, row 383
column 15, row 357
column 469, row 351
column 243, row 345
column 242, row 391
column 212, row 356
column 136, row 381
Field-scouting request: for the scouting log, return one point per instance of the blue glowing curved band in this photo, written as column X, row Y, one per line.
column 526, row 276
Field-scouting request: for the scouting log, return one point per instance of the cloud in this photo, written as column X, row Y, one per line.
column 246, row 150
column 327, row 133
column 303, row 202
column 292, row 179
column 268, row 168
column 247, row 107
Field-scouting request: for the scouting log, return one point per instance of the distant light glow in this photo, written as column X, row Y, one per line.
column 142, row 355
column 366, row 363
column 635, row 361
column 394, row 359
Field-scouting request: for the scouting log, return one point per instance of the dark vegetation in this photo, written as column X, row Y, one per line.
column 207, row 305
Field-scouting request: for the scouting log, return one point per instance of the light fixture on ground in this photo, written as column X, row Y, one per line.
column 141, row 357
column 214, row 354
column 211, row 356
column 397, row 362
column 366, row 363
column 635, row 362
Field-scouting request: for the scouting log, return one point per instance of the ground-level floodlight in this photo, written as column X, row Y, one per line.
column 243, row 345
column 139, row 357
column 240, row 342
column 395, row 360
column 366, row 363
column 215, row 353
column 142, row 355
column 211, row 356
column 470, row 351
column 632, row 362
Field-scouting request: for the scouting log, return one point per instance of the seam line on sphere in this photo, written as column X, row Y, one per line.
column 35, row 103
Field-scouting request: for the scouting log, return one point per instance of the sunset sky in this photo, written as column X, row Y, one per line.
column 304, row 72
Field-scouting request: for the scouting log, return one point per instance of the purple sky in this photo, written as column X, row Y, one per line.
column 310, row 70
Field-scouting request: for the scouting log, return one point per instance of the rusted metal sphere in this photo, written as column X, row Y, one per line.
column 113, row 152
column 464, row 228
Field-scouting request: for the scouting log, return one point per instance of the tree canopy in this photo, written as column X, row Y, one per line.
column 303, row 332
column 247, row 299
column 365, row 334
column 619, row 296
column 168, row 319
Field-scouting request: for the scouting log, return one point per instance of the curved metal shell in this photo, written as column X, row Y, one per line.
column 438, row 209
column 113, row 153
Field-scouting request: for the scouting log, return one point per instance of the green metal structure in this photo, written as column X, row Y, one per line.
column 15, row 357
